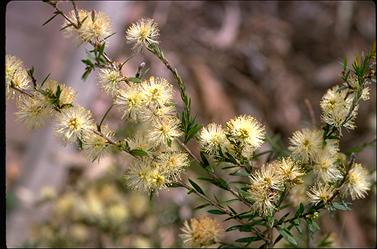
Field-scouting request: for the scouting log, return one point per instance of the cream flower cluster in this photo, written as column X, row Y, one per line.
column 143, row 33
column 16, row 75
column 201, row 232
column 240, row 137
column 150, row 103
column 339, row 109
column 268, row 182
column 94, row 26
column 335, row 105
column 54, row 100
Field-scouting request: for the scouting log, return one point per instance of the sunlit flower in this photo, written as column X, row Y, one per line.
column 201, row 232
column 117, row 214
column 33, row 111
column 158, row 91
column 156, row 113
column 213, row 139
column 357, row 183
column 320, row 192
column 173, row 163
column 15, row 75
column 335, row 105
column 306, row 144
column 139, row 141
column 74, row 122
column 66, row 96
column 143, row 33
column 164, row 131
column 245, row 130
column 290, row 171
column 365, row 93
column 264, row 188
column 68, row 29
column 144, row 175
column 91, row 207
column 95, row 145
column 110, row 80
column 79, row 232
column 325, row 167
column 95, row 25
column 131, row 102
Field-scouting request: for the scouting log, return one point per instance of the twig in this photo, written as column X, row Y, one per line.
column 21, row 91
column 104, row 116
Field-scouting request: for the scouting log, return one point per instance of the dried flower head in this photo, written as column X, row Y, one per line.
column 245, row 131
column 305, row 144
column 15, row 75
column 74, row 122
column 33, row 110
column 143, row 33
column 200, row 232
column 213, row 139
column 320, row 192
column 335, row 105
column 357, row 183
column 110, row 80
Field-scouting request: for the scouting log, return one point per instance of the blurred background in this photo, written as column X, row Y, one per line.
column 268, row 59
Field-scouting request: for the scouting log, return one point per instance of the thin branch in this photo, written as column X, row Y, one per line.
column 21, row 91
column 104, row 116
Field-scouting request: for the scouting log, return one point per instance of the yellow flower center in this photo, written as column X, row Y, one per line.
column 73, row 124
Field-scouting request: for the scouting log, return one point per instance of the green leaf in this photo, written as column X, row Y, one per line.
column 341, row 206
column 326, row 242
column 138, row 152
column 204, row 159
column 134, row 80
column 300, row 210
column 216, row 212
column 196, row 187
column 175, row 185
column 202, row 206
column 45, row 79
column 88, row 62
column 86, row 73
column 240, row 172
column 282, row 219
column 247, row 239
column 312, row 225
column 58, row 92
column 221, row 183
column 287, row 236
column 244, row 194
